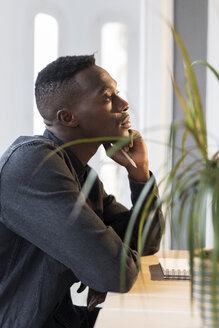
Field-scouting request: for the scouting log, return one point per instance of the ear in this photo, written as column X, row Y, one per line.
column 67, row 118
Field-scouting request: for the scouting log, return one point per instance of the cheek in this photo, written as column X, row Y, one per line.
column 94, row 125
column 97, row 120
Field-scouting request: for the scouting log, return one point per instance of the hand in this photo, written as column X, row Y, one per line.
column 94, row 298
column 137, row 150
column 81, row 288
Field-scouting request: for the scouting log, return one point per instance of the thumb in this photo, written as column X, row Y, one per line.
column 81, row 288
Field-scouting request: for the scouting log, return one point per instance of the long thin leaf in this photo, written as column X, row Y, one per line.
column 190, row 95
column 185, row 135
column 195, row 90
column 182, row 102
column 203, row 62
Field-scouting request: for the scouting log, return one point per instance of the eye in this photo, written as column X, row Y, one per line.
column 107, row 97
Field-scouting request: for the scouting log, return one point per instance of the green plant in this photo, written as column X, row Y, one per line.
column 191, row 189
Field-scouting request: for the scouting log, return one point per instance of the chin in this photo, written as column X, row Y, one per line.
column 118, row 133
column 124, row 133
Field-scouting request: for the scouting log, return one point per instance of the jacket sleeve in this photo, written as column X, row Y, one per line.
column 118, row 216
column 39, row 193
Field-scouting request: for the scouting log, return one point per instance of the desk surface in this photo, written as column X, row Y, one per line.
column 151, row 303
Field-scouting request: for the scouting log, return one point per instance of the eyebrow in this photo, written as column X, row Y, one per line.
column 106, row 87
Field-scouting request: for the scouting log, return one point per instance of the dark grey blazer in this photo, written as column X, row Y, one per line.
column 51, row 238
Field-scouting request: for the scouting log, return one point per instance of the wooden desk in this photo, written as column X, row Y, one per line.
column 151, row 303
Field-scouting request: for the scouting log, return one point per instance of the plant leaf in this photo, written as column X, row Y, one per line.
column 203, row 62
column 199, row 121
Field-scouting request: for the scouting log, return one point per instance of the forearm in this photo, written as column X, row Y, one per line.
column 118, row 217
column 144, row 197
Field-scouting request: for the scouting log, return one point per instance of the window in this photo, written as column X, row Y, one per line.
column 114, row 58
column 45, row 51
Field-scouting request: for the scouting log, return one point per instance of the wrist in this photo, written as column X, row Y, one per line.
column 139, row 174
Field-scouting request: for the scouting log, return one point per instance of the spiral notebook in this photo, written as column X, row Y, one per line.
column 175, row 268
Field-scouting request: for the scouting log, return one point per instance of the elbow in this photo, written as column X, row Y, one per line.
column 152, row 243
column 124, row 283
column 128, row 282
column 151, row 250
column 125, row 277
column 151, row 246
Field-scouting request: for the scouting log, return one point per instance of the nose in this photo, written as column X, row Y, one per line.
column 122, row 105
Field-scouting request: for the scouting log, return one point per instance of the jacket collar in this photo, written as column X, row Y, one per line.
column 78, row 166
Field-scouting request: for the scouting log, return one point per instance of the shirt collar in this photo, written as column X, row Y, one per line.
column 78, row 166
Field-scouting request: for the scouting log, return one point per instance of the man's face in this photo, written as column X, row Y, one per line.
column 99, row 109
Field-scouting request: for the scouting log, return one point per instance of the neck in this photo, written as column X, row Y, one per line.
column 83, row 151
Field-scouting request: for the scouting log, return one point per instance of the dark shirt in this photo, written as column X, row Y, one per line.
column 51, row 238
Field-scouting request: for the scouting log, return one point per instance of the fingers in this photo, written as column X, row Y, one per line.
column 92, row 304
column 94, row 298
column 108, row 145
column 134, row 135
column 131, row 136
column 81, row 288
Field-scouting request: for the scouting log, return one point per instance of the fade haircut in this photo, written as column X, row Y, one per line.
column 55, row 86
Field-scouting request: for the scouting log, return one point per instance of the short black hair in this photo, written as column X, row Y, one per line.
column 55, row 86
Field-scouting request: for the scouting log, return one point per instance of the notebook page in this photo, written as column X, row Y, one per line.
column 175, row 268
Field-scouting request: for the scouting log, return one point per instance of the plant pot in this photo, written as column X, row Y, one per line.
column 202, row 293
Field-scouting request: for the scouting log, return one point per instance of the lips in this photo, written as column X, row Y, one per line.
column 125, row 122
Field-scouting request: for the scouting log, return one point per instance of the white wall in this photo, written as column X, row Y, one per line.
column 16, row 67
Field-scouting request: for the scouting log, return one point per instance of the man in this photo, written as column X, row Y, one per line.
column 47, row 241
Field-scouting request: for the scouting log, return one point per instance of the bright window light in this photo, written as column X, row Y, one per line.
column 45, row 51
column 114, row 58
